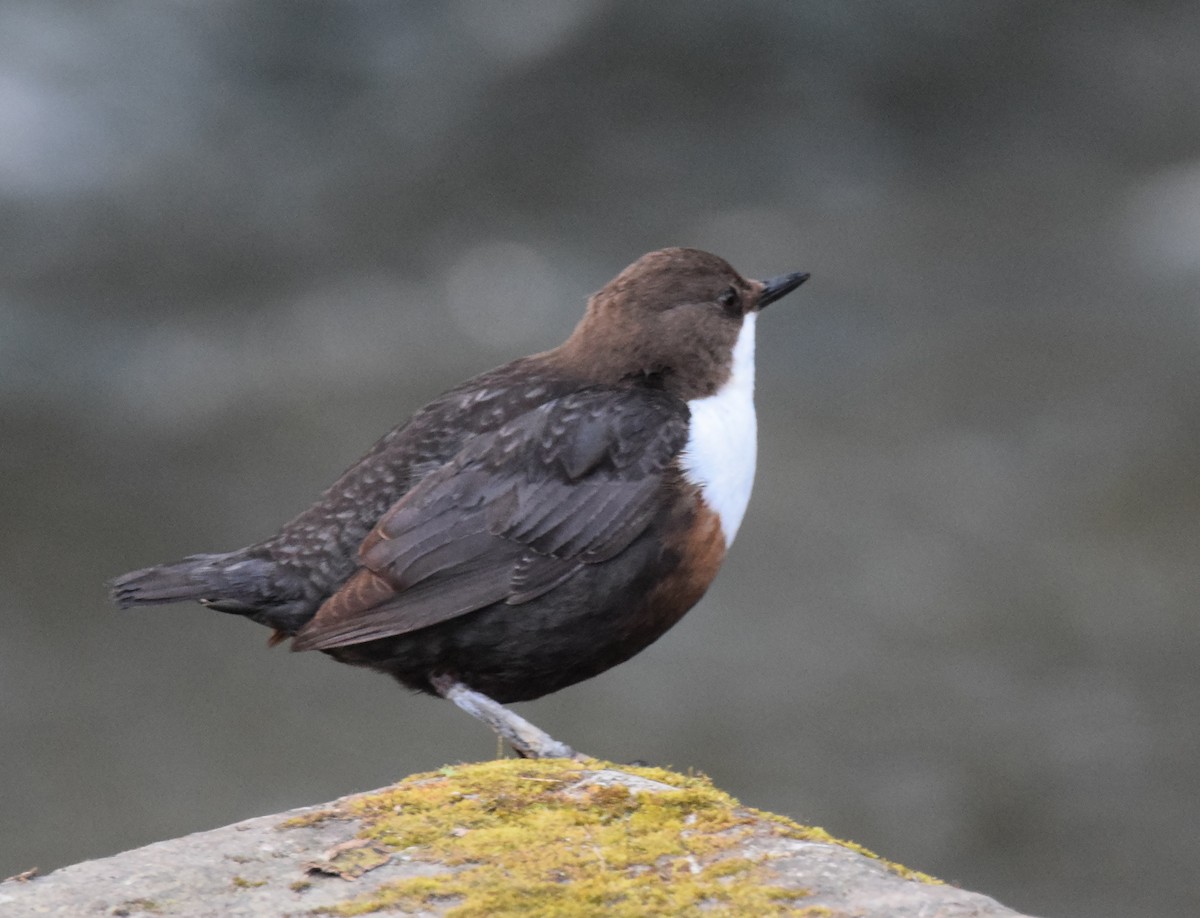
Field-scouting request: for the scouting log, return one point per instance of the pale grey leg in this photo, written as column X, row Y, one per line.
column 523, row 736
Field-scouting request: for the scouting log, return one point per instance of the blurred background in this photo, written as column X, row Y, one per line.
column 238, row 242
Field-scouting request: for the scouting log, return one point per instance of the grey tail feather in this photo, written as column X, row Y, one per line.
column 195, row 577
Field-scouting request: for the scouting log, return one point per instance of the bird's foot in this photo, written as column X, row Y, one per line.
column 528, row 741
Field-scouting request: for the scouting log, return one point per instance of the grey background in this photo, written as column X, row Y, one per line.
column 238, row 242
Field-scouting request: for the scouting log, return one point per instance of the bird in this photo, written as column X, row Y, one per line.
column 537, row 524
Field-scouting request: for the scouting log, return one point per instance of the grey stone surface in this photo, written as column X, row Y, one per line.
column 245, row 869
column 262, row 867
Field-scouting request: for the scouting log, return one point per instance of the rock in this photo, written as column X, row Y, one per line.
column 506, row 837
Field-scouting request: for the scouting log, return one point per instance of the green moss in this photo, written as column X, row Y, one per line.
column 353, row 858
column 137, row 906
column 240, row 882
column 305, row 820
column 525, row 837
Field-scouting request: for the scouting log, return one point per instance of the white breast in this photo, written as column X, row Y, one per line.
column 722, row 445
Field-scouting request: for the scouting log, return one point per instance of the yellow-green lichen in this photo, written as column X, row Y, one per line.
column 305, row 820
column 240, row 882
column 525, row 837
column 137, row 906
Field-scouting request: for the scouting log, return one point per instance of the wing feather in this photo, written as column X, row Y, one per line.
column 512, row 516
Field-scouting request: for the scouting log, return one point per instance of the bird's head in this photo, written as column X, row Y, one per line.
column 674, row 317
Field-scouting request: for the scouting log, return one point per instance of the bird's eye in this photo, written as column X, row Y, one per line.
column 729, row 299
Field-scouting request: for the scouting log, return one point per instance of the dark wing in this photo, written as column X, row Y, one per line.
column 514, row 514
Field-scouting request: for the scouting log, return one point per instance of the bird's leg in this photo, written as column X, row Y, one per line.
column 528, row 741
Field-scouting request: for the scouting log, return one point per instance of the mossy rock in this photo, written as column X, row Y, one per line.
column 510, row 837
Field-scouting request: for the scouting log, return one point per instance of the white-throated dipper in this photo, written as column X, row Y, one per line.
column 536, row 525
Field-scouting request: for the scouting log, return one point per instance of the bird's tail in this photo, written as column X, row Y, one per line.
column 198, row 577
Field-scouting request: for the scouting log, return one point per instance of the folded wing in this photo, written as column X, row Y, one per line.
column 515, row 514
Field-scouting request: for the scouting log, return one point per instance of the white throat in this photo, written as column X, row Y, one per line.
column 722, row 445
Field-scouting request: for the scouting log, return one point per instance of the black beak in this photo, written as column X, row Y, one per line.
column 779, row 287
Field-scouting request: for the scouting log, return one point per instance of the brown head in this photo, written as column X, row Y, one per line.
column 673, row 317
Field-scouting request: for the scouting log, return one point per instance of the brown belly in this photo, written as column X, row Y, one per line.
column 700, row 546
column 604, row 615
